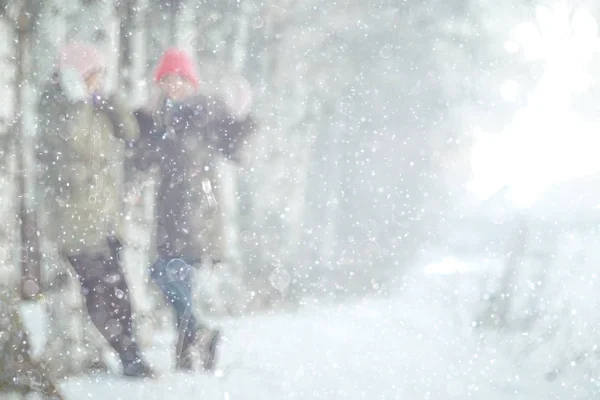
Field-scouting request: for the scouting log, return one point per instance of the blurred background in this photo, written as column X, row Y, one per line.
column 418, row 153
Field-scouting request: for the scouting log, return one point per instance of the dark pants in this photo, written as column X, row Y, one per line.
column 174, row 278
column 107, row 299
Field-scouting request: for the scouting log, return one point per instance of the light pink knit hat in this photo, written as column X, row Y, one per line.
column 83, row 58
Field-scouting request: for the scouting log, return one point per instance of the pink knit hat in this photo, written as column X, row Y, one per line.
column 83, row 58
column 177, row 61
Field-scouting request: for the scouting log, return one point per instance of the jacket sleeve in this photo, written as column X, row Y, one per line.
column 57, row 120
column 228, row 133
column 124, row 123
column 48, row 128
column 147, row 149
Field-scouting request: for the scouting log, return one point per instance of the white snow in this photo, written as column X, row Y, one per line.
column 410, row 347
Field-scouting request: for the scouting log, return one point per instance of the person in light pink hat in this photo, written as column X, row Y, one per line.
column 81, row 68
column 84, row 58
column 82, row 134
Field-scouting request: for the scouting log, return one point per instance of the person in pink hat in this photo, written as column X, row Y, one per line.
column 183, row 134
column 82, row 134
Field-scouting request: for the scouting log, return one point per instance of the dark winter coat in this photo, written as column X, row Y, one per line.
column 80, row 153
column 184, row 140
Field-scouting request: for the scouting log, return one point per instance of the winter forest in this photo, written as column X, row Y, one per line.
column 388, row 199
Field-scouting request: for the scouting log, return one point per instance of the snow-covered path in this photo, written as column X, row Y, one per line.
column 374, row 349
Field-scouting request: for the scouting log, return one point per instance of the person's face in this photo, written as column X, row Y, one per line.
column 94, row 81
column 175, row 87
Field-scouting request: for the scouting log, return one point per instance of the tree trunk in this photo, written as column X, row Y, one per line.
column 19, row 371
column 9, row 272
column 29, row 257
column 172, row 25
column 136, row 260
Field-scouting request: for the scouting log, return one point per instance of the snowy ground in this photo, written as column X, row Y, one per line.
column 406, row 348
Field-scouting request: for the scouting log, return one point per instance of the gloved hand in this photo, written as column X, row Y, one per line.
column 100, row 102
column 238, row 96
column 182, row 117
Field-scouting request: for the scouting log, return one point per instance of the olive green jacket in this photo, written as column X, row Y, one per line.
column 80, row 152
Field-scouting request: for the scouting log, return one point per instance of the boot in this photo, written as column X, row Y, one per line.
column 185, row 348
column 204, row 341
column 134, row 366
column 209, row 342
column 138, row 369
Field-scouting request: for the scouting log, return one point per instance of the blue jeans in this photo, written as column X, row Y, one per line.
column 174, row 278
